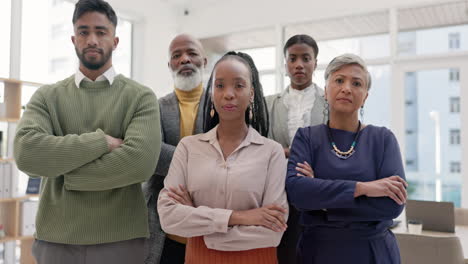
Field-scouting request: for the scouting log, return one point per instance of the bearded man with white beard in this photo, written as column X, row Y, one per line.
column 181, row 114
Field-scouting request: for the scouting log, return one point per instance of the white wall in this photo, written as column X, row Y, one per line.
column 155, row 24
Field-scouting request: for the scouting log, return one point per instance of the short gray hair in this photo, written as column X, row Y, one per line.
column 347, row 59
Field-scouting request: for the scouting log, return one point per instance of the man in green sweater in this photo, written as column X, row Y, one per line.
column 93, row 138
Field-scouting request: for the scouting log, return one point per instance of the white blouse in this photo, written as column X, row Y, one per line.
column 299, row 104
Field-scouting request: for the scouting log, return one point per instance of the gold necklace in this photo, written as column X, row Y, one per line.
column 343, row 154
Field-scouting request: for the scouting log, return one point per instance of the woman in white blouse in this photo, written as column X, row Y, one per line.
column 225, row 188
column 301, row 104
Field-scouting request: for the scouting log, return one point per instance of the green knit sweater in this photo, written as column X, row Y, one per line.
column 88, row 194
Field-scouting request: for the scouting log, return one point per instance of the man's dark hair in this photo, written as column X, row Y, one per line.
column 100, row 6
column 301, row 39
column 259, row 119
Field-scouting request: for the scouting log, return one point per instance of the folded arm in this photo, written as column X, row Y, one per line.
column 343, row 199
column 38, row 152
column 307, row 193
column 133, row 162
column 184, row 220
column 378, row 208
column 245, row 237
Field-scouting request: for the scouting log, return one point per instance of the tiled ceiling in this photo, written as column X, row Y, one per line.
column 350, row 26
column 421, row 17
column 446, row 14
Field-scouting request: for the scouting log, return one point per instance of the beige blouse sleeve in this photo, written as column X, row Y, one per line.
column 251, row 237
column 182, row 220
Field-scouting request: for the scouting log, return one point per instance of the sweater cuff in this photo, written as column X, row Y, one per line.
column 221, row 220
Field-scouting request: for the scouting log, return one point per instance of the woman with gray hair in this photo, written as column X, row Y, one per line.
column 345, row 177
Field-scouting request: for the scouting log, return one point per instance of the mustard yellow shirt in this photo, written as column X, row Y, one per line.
column 189, row 102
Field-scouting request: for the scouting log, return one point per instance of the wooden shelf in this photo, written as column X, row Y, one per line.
column 20, row 82
column 10, row 120
column 7, row 239
column 10, row 208
column 11, row 101
column 24, row 238
column 10, row 80
column 12, row 238
column 19, row 198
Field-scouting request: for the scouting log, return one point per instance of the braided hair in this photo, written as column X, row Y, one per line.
column 260, row 120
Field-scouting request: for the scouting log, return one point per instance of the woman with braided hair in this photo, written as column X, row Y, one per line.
column 225, row 189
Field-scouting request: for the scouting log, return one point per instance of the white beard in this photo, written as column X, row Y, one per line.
column 187, row 83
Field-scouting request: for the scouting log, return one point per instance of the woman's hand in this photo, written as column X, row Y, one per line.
column 305, row 170
column 393, row 187
column 180, row 195
column 286, row 152
column 270, row 216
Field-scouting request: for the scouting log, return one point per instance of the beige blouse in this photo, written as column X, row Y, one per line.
column 251, row 177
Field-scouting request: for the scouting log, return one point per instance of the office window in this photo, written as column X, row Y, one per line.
column 47, row 52
column 27, row 92
column 264, row 59
column 45, row 37
column 432, row 40
column 5, row 21
column 455, row 105
column 377, row 106
column 368, row 47
column 122, row 56
column 455, row 137
column 57, row 64
column 454, row 41
column 454, row 75
column 455, row 167
column 435, row 141
column 268, row 82
column 411, row 164
column 407, row 43
column 58, row 31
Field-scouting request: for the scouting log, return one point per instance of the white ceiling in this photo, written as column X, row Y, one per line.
column 412, row 18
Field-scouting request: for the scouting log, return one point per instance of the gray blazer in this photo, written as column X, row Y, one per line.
column 279, row 115
column 170, row 134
